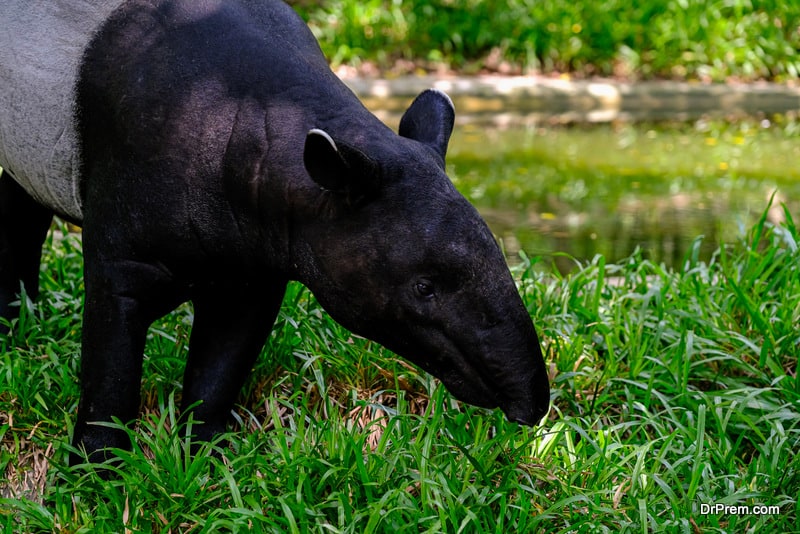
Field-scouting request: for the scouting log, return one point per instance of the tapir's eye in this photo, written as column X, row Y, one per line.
column 424, row 289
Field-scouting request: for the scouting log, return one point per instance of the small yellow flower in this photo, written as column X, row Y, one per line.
column 711, row 141
column 723, row 166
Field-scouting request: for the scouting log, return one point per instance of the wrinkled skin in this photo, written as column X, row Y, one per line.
column 221, row 159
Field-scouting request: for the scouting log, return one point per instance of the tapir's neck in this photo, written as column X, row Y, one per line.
column 285, row 186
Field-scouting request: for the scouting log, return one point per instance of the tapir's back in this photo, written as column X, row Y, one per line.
column 41, row 45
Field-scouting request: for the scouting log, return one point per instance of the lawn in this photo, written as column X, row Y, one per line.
column 673, row 390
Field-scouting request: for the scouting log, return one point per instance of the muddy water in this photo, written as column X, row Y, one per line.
column 570, row 192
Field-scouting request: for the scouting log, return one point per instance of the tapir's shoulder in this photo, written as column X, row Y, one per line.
column 245, row 44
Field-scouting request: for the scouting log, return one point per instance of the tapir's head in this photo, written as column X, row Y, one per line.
column 397, row 255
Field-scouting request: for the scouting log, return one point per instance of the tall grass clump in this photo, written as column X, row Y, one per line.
column 672, row 389
column 706, row 39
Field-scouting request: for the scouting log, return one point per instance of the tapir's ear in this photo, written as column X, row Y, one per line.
column 342, row 169
column 429, row 120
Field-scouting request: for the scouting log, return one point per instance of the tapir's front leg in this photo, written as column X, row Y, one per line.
column 230, row 328
column 122, row 298
column 23, row 228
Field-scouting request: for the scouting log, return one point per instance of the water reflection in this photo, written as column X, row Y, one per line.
column 612, row 189
column 664, row 231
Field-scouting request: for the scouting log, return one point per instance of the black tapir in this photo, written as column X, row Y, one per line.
column 210, row 155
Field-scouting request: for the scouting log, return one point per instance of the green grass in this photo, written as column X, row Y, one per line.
column 671, row 389
column 696, row 39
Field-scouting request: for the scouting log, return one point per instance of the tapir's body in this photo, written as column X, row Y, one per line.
column 210, row 155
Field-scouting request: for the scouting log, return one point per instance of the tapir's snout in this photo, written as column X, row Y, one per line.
column 508, row 375
column 529, row 413
column 530, row 403
column 519, row 374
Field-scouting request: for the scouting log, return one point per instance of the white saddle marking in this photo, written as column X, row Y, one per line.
column 41, row 48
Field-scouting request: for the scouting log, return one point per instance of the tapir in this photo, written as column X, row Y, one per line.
column 210, row 155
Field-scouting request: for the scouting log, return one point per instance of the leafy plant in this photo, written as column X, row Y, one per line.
column 705, row 39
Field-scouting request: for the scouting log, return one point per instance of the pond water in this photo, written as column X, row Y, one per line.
column 571, row 192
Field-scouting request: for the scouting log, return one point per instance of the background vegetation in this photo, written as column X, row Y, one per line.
column 696, row 39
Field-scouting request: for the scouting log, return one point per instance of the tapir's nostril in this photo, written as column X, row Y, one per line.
column 521, row 420
column 527, row 415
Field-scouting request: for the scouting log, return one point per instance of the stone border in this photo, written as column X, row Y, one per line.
column 533, row 99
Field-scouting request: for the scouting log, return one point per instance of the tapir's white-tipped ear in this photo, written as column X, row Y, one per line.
column 429, row 120
column 324, row 135
column 322, row 160
column 339, row 168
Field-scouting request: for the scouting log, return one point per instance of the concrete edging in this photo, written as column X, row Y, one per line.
column 533, row 99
